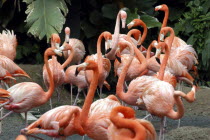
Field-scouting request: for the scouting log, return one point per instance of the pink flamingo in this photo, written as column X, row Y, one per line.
column 95, row 116
column 111, row 49
column 152, row 90
column 8, row 44
column 78, row 46
column 59, row 122
column 104, row 64
column 129, row 127
column 11, row 67
column 26, row 95
column 5, row 77
column 179, row 48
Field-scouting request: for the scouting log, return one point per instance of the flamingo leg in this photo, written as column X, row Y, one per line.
column 6, row 115
column 77, row 97
column 51, row 104
column 26, row 119
column 1, row 114
column 161, row 129
column 71, row 93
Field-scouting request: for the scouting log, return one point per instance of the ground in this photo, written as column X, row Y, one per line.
column 194, row 125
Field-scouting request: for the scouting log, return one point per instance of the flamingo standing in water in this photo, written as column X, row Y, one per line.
column 179, row 48
column 26, row 95
column 104, row 64
column 8, row 44
column 128, row 126
column 78, row 46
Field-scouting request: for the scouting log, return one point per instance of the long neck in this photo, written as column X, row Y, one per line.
column 115, row 39
column 138, row 53
column 51, row 84
column 164, row 63
column 165, row 20
column 144, row 33
column 119, row 89
column 68, row 60
column 99, row 55
column 171, row 37
column 131, row 124
column 180, row 108
column 89, row 98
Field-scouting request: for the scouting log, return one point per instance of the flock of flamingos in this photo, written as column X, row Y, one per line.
column 152, row 77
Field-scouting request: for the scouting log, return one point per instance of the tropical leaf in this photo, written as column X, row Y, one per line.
column 150, row 21
column 45, row 17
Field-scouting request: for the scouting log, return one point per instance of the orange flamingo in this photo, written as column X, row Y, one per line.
column 78, row 46
column 104, row 64
column 138, row 22
column 179, row 48
column 111, row 49
column 95, row 116
column 26, row 95
column 129, row 127
column 8, row 44
column 5, row 77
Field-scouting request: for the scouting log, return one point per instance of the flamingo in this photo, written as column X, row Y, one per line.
column 26, row 95
column 78, row 46
column 128, row 127
column 179, row 48
column 95, row 116
column 152, row 90
column 11, row 67
column 5, row 76
column 21, row 137
column 104, row 64
column 111, row 49
column 58, row 122
column 8, row 44
column 61, row 122
column 138, row 22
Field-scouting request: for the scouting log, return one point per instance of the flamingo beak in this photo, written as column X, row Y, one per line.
column 162, row 37
column 116, row 55
column 130, row 25
column 62, row 48
column 67, row 38
column 58, row 52
column 157, row 55
column 158, row 7
column 57, row 45
column 80, row 67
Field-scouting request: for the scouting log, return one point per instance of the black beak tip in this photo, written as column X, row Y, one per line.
column 108, row 50
column 157, row 59
column 138, row 46
column 118, row 58
column 76, row 72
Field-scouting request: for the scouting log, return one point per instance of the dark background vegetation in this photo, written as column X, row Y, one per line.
column 88, row 18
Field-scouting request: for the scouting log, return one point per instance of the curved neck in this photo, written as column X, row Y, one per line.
column 99, row 55
column 68, row 60
column 171, row 37
column 51, row 83
column 119, row 89
column 165, row 20
column 128, row 123
column 164, row 63
column 180, row 108
column 149, row 49
column 115, row 39
column 144, row 33
column 89, row 98
column 138, row 53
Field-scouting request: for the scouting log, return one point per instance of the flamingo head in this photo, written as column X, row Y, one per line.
column 123, row 16
column 87, row 65
column 162, row 7
column 67, row 34
column 135, row 22
column 55, row 40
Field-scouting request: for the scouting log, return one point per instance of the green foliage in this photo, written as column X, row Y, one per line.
column 45, row 17
column 195, row 26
